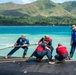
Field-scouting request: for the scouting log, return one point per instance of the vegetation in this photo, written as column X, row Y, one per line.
column 70, row 7
column 40, row 12
column 39, row 7
column 7, row 21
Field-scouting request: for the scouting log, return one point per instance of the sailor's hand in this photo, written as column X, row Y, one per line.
column 15, row 44
column 70, row 44
column 24, row 45
column 49, row 50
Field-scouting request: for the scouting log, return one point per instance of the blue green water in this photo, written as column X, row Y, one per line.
column 9, row 34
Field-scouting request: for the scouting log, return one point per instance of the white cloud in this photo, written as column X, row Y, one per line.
column 15, row 1
column 60, row 1
column 27, row 1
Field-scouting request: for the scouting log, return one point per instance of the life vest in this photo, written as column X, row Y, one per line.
column 39, row 48
column 62, row 50
column 21, row 42
column 49, row 39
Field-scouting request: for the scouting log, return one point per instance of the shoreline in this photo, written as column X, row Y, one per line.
column 36, row 25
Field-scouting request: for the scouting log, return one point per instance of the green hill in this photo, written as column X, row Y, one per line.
column 44, row 8
column 70, row 7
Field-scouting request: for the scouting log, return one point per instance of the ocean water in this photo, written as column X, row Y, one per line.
column 9, row 35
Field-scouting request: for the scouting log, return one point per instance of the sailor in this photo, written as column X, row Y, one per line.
column 22, row 42
column 62, row 53
column 41, row 51
column 49, row 42
column 73, row 41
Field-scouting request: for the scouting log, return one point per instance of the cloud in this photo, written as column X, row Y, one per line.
column 27, row 1
column 60, row 1
column 15, row 1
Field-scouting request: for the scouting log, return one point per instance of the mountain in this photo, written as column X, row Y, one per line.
column 44, row 8
column 70, row 7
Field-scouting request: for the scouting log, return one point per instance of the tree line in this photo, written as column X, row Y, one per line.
column 35, row 21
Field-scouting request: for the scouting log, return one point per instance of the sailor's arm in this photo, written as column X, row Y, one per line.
column 47, row 48
column 26, row 44
column 71, row 42
column 40, row 41
column 17, row 42
column 56, row 50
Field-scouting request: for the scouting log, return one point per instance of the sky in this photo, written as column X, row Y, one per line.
column 29, row 1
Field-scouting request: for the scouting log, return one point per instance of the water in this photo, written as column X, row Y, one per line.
column 9, row 34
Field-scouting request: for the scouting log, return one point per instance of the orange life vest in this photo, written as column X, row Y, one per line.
column 62, row 50
column 39, row 48
column 49, row 39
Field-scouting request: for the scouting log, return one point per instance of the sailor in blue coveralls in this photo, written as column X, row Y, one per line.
column 73, row 41
column 22, row 42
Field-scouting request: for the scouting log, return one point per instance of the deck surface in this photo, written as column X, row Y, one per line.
column 32, row 67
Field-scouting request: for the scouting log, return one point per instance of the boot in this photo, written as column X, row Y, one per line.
column 6, row 57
